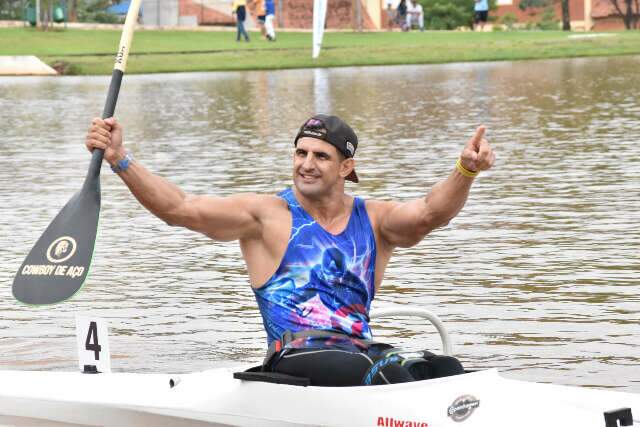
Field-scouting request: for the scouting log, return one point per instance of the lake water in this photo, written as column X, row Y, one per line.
column 538, row 276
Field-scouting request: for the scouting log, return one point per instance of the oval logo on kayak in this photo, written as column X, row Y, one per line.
column 61, row 249
column 462, row 408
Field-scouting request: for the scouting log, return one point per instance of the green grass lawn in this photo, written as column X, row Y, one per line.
column 92, row 51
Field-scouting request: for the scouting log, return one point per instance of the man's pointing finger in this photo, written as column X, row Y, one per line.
column 475, row 139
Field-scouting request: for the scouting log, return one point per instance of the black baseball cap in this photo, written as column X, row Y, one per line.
column 334, row 131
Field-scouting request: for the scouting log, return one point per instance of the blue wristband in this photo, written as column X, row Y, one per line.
column 123, row 164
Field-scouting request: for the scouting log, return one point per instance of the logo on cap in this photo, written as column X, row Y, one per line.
column 314, row 122
column 350, row 148
column 308, row 132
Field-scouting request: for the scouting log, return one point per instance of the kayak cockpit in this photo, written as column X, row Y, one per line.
column 258, row 374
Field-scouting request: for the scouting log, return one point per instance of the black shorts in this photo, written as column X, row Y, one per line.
column 481, row 16
column 262, row 18
column 340, row 368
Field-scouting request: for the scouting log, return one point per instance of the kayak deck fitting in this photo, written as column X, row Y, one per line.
column 215, row 397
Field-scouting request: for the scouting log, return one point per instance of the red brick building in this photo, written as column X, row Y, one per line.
column 589, row 15
column 297, row 14
column 586, row 15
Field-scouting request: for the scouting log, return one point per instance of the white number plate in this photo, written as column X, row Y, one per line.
column 92, row 337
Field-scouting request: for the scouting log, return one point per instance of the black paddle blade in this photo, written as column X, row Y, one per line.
column 59, row 263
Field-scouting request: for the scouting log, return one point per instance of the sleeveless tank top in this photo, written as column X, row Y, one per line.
column 324, row 281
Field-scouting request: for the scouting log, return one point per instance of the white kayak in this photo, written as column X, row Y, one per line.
column 215, row 397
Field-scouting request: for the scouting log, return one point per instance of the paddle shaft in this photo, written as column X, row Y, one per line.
column 116, row 80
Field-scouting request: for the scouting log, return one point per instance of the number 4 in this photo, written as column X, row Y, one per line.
column 93, row 334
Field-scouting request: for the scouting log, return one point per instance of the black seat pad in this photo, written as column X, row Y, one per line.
column 256, row 374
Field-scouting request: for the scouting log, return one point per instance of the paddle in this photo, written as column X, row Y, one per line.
column 58, row 265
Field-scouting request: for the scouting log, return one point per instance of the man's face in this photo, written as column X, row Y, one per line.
column 317, row 167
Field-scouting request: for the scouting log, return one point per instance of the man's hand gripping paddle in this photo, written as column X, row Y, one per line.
column 58, row 265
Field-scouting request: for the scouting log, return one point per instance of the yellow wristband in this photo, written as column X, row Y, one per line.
column 464, row 171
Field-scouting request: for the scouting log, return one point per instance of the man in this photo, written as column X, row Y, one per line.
column 481, row 15
column 270, row 10
column 261, row 13
column 391, row 14
column 415, row 15
column 401, row 15
column 239, row 9
column 315, row 255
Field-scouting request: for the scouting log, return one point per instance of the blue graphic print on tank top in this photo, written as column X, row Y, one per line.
column 324, row 281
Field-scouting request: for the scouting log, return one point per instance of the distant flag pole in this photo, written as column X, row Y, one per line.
column 319, row 18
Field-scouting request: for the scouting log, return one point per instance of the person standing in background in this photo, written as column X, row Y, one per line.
column 401, row 15
column 391, row 13
column 239, row 9
column 270, row 10
column 261, row 13
column 481, row 10
column 415, row 15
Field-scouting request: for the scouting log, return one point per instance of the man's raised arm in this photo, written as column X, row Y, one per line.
column 224, row 219
column 406, row 224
